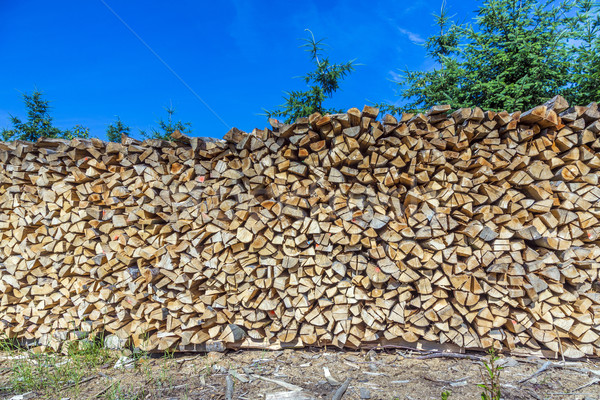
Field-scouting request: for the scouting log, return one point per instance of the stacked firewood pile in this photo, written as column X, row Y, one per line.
column 472, row 228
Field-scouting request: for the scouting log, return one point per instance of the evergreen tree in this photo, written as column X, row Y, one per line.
column 322, row 83
column 586, row 74
column 39, row 123
column 78, row 131
column 115, row 130
column 166, row 128
column 519, row 54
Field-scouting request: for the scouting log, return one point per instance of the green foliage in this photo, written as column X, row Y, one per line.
column 519, row 54
column 39, row 123
column 322, row 83
column 89, row 352
column 117, row 391
column 166, row 128
column 586, row 73
column 115, row 130
column 52, row 373
column 491, row 377
column 78, row 131
column 445, row 395
column 43, row 372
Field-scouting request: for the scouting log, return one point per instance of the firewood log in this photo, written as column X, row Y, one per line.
column 470, row 227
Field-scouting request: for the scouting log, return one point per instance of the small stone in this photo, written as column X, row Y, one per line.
column 214, row 355
column 365, row 393
column 23, row 396
column 217, row 369
column 371, row 354
column 112, row 342
column 124, row 362
column 84, row 344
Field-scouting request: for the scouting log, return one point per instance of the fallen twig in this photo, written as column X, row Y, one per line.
column 293, row 395
column 567, row 365
column 339, row 393
column 590, row 383
column 533, row 394
column 544, row 367
column 286, row 385
column 329, row 378
column 102, row 391
column 350, row 364
column 445, row 382
column 450, row 355
column 571, row 394
column 374, row 373
column 172, row 388
column 228, row 387
column 182, row 360
column 89, row 378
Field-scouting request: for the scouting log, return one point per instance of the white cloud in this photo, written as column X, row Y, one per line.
column 396, row 77
column 413, row 37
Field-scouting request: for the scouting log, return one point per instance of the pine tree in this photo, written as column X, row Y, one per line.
column 115, row 130
column 518, row 54
column 39, row 123
column 78, row 131
column 586, row 75
column 166, row 128
column 322, row 83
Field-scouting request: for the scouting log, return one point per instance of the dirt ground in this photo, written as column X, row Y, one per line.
column 384, row 375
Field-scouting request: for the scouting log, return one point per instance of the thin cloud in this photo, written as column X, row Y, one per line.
column 415, row 5
column 413, row 37
column 396, row 77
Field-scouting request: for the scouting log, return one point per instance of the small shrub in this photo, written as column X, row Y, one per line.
column 491, row 377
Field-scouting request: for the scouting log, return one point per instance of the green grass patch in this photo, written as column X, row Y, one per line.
column 52, row 373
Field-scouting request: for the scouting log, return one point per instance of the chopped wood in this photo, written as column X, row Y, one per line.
column 463, row 229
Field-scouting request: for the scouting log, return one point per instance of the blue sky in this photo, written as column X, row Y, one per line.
column 238, row 56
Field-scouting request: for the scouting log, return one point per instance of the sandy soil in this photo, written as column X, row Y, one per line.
column 385, row 375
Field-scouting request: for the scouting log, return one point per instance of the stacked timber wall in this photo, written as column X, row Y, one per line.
column 471, row 229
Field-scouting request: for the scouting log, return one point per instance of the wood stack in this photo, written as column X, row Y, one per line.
column 473, row 228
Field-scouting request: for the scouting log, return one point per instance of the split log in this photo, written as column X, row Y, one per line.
column 464, row 228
